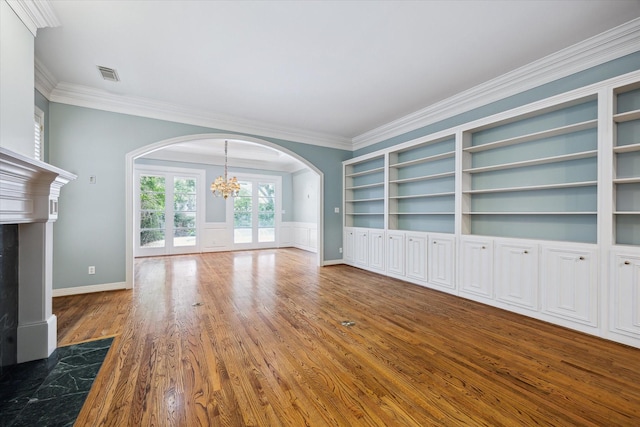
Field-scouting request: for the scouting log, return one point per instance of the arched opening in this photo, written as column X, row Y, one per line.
column 131, row 157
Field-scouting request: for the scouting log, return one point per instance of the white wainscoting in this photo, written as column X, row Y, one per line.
column 301, row 235
column 215, row 237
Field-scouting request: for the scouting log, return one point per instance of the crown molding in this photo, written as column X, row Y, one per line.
column 607, row 46
column 83, row 96
column 35, row 14
column 45, row 81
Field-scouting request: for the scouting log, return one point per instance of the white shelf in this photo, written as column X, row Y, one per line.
column 627, row 180
column 364, row 213
column 627, row 212
column 530, row 213
column 423, row 196
column 544, row 160
column 422, row 213
column 362, row 173
column 422, row 178
column 626, row 117
column 446, row 155
column 627, row 148
column 377, row 199
column 534, row 187
column 358, row 187
column 591, row 124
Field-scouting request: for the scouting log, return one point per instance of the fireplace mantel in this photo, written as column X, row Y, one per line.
column 29, row 189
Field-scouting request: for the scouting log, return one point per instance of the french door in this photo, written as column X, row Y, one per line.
column 252, row 216
column 169, row 209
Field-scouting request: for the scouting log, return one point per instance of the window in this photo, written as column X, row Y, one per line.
column 38, row 134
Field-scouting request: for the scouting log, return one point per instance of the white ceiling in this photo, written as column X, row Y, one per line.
column 333, row 68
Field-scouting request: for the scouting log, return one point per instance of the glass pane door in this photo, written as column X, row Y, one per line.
column 167, row 211
column 152, row 211
column 184, row 211
column 243, row 214
column 266, row 212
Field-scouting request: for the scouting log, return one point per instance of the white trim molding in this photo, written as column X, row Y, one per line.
column 615, row 43
column 35, row 14
column 77, row 290
column 88, row 97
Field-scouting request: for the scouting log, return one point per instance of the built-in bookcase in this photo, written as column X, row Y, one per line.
column 422, row 187
column 534, row 176
column 364, row 183
column 626, row 166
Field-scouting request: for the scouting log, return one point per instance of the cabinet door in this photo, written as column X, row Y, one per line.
column 349, row 242
column 517, row 274
column 477, row 267
column 440, row 266
column 376, row 250
column 569, row 284
column 417, row 256
column 625, row 295
column 395, row 253
column 362, row 247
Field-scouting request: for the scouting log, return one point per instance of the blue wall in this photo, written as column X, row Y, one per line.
column 596, row 74
column 91, row 227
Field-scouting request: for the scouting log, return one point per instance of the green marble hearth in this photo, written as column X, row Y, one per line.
column 50, row 392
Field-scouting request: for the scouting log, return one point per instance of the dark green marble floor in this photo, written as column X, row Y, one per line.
column 50, row 392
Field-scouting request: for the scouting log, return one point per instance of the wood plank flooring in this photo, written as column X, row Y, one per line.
column 255, row 339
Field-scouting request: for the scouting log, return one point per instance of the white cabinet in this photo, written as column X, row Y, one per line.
column 416, row 256
column 440, row 267
column 395, row 253
column 569, row 284
column 361, row 247
column 476, row 259
column 624, row 305
column 376, row 249
column 517, row 274
column 349, row 245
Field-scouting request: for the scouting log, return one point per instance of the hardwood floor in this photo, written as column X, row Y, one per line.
column 255, row 339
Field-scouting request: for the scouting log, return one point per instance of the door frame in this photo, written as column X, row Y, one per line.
column 201, row 203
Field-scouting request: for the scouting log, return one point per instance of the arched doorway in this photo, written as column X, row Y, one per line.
column 142, row 151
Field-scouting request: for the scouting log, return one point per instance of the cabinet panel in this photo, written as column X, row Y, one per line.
column 376, row 250
column 625, row 295
column 569, row 284
column 362, row 247
column 395, row 253
column 349, row 242
column 517, row 274
column 417, row 256
column 477, row 267
column 440, row 267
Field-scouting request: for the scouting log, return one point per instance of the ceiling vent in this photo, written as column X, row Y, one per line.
column 108, row 74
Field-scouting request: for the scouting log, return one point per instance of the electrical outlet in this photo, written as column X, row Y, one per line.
column 92, row 269
column 336, row 210
column 340, row 250
column 92, row 179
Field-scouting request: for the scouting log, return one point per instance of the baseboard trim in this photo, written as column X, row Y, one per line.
column 332, row 262
column 63, row 292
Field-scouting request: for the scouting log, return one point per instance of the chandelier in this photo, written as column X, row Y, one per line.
column 223, row 187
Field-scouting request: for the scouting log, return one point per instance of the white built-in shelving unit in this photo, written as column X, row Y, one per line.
column 421, row 194
column 626, row 169
column 364, row 197
column 535, row 210
column 534, row 175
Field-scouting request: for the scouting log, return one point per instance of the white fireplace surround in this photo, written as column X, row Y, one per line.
column 29, row 191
